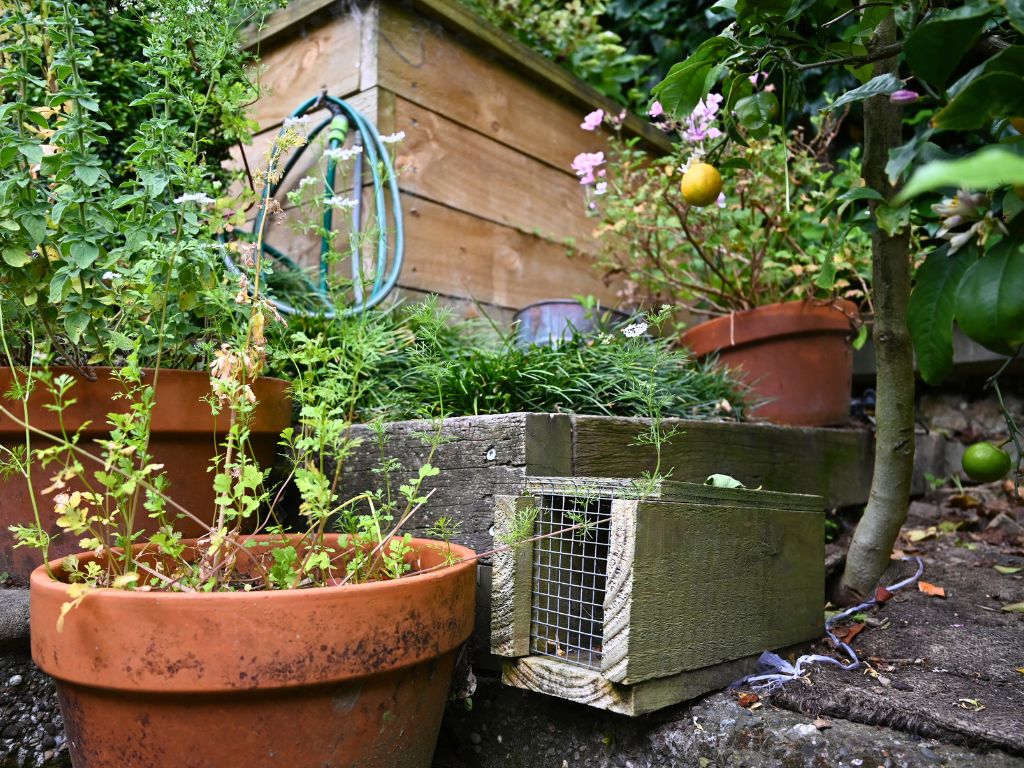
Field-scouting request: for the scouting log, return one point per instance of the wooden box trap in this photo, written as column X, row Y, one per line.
column 632, row 599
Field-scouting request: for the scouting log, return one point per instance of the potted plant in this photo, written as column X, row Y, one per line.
column 107, row 204
column 247, row 644
column 765, row 253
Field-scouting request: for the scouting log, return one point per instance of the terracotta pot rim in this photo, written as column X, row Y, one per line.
column 780, row 320
column 40, row 580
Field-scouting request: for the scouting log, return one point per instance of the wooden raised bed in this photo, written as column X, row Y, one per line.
column 491, row 127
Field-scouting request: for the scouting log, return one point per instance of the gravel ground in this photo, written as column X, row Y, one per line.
column 31, row 729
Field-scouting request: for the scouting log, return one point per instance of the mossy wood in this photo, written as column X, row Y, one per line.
column 696, row 577
column 485, row 118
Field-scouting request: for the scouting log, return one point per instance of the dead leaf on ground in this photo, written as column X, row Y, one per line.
column 882, row 595
column 1006, row 570
column 915, row 535
column 931, row 589
column 1014, row 608
column 847, row 633
column 747, row 700
column 974, row 705
column 964, row 501
column 821, row 723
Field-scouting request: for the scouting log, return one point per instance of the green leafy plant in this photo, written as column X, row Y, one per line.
column 776, row 233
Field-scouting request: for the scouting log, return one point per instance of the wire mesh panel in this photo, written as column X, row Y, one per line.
column 570, row 562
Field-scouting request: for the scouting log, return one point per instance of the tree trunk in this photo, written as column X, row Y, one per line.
column 890, row 282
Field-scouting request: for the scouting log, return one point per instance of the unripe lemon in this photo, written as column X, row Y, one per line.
column 701, row 184
column 1018, row 123
column 985, row 463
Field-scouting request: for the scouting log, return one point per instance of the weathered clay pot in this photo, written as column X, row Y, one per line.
column 795, row 355
column 336, row 676
column 184, row 438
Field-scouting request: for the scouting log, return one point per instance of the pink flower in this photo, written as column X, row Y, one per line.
column 585, row 164
column 720, row 202
column 701, row 120
column 593, row 121
column 754, row 77
column 656, row 110
column 601, row 187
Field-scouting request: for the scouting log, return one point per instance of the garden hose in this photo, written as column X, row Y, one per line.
column 389, row 255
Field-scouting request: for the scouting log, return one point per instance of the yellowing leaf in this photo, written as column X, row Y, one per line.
column 1007, row 570
column 920, row 534
column 1014, row 608
column 124, row 580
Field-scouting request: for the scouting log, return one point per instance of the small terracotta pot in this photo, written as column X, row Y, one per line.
column 795, row 355
column 337, row 676
column 184, row 438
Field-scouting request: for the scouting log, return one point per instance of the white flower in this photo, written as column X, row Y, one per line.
column 194, row 197
column 343, row 203
column 108, row 276
column 601, row 187
column 393, row 138
column 634, row 330
column 296, row 122
column 340, row 153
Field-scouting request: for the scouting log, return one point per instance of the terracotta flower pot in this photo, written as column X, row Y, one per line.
column 333, row 676
column 795, row 355
column 184, row 438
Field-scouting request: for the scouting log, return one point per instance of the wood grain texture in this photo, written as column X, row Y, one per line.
column 445, row 162
column 297, row 12
column 298, row 67
column 832, row 463
column 588, row 686
column 428, row 65
column 715, row 582
column 618, row 599
column 511, row 582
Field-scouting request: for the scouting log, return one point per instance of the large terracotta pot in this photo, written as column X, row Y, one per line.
column 184, row 438
column 335, row 676
column 795, row 355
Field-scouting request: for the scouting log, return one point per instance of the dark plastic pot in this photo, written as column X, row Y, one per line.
column 797, row 356
column 184, row 438
column 340, row 676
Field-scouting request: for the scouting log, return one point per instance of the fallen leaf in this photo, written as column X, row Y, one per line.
column 821, row 723
column 964, row 501
column 847, row 633
column 1014, row 608
column 974, row 705
column 747, row 700
column 882, row 595
column 1007, row 570
column 931, row 589
column 1021, row 670
column 950, row 526
column 915, row 535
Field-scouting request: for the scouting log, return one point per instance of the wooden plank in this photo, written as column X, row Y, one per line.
column 299, row 68
column 429, row 66
column 446, row 163
column 511, row 580
column 451, row 252
column 618, row 599
column 589, row 687
column 552, row 78
column 833, row 463
column 715, row 582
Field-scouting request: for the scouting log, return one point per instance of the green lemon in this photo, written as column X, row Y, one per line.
column 985, row 463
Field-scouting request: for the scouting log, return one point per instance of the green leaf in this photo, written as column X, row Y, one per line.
column 1007, row 570
column 75, row 324
column 882, row 85
column 17, row 257
column 723, row 481
column 89, row 174
column 892, row 218
column 990, row 301
column 689, row 81
column 57, row 286
column 35, row 226
column 1010, row 60
column 1015, row 12
column 934, row 48
column 154, row 182
column 757, row 111
column 84, row 253
column 989, row 168
column 33, row 152
column 901, row 157
column 930, row 312
column 1014, row 608
column 997, row 94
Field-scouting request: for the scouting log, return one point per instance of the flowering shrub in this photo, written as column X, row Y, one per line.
column 776, row 233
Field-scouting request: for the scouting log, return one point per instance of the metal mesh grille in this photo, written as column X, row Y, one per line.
column 569, row 568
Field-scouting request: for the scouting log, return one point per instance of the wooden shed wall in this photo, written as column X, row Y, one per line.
column 490, row 201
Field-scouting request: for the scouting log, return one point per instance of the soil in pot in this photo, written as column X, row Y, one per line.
column 795, row 356
column 341, row 676
column 185, row 436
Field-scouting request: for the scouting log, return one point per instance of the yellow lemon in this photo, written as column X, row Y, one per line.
column 1018, row 123
column 701, row 184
